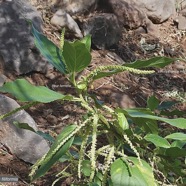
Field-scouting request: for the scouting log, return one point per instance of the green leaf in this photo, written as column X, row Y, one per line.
column 46, row 136
column 167, row 105
column 158, row 141
column 152, row 102
column 179, row 144
column 49, row 50
column 24, row 91
column 86, row 167
column 87, row 41
column 40, row 133
column 23, row 126
column 64, row 158
column 175, row 152
column 76, row 56
column 177, row 136
column 51, row 159
column 158, row 62
column 141, row 113
column 175, row 112
column 122, row 120
column 127, row 174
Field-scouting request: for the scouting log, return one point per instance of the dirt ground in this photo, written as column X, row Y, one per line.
column 125, row 90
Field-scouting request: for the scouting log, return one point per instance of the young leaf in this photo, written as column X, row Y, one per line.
column 23, row 126
column 158, row 141
column 141, row 113
column 87, row 41
column 27, row 127
column 122, row 120
column 152, row 103
column 158, row 62
column 24, row 91
column 177, row 136
column 50, row 158
column 49, row 50
column 125, row 174
column 86, row 167
column 76, row 56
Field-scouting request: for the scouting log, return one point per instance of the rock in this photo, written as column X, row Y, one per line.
column 17, row 44
column 181, row 22
column 104, row 29
column 157, row 11
column 63, row 19
column 180, row 5
column 125, row 53
column 139, row 13
column 122, row 100
column 76, row 7
column 128, row 14
column 2, row 79
column 25, row 144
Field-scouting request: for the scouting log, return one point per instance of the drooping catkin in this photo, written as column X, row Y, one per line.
column 133, row 148
column 81, row 153
column 93, row 147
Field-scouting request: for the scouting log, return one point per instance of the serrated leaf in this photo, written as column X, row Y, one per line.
column 126, row 174
column 141, row 113
column 24, row 91
column 177, row 136
column 76, row 56
column 158, row 141
column 152, row 102
column 49, row 50
column 158, row 62
column 50, row 159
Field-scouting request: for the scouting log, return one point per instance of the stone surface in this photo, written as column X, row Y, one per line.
column 2, row 79
column 122, row 100
column 76, row 7
column 142, row 15
column 25, row 144
column 157, row 11
column 180, row 5
column 104, row 29
column 63, row 19
column 17, row 45
column 128, row 14
column 181, row 22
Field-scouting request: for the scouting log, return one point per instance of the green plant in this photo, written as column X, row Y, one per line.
column 132, row 137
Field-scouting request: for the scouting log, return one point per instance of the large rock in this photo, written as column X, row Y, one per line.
column 157, row 11
column 17, row 44
column 128, row 14
column 104, row 29
column 25, row 144
column 76, row 7
column 63, row 19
